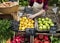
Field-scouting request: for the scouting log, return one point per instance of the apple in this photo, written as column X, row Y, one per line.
column 47, row 18
column 45, row 22
column 46, row 41
column 39, row 19
column 48, row 27
column 36, row 38
column 39, row 22
column 43, row 19
column 50, row 20
column 41, row 41
column 40, row 28
column 51, row 24
column 46, row 38
column 40, row 36
column 37, row 41
column 44, row 27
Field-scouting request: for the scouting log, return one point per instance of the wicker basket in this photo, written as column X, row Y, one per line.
column 9, row 10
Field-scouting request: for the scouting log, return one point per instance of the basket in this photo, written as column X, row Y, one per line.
column 9, row 10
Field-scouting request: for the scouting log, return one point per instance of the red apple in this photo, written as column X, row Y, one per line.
column 37, row 41
column 41, row 41
column 36, row 38
column 46, row 37
column 46, row 41
column 40, row 36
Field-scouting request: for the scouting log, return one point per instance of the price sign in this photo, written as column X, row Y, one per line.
column 30, row 31
column 53, row 29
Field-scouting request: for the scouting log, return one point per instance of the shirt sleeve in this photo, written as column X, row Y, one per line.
column 45, row 6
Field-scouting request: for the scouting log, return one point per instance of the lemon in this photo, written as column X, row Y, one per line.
column 24, row 17
column 23, row 28
column 32, row 21
column 21, row 22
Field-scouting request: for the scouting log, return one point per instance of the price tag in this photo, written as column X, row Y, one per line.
column 14, row 25
column 30, row 31
column 53, row 29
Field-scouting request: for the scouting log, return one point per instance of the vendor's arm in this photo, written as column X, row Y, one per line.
column 45, row 6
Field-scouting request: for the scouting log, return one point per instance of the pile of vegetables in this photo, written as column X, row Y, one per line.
column 55, row 39
column 23, row 2
column 5, row 31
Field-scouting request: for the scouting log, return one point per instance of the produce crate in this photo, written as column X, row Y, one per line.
column 49, row 38
column 21, row 37
column 42, row 38
column 30, row 19
column 46, row 29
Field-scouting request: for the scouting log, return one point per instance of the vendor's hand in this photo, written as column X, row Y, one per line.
column 29, row 6
column 31, row 16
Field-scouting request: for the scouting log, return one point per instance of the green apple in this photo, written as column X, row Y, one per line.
column 44, row 27
column 43, row 19
column 50, row 20
column 51, row 24
column 40, row 28
column 47, row 18
column 39, row 22
column 48, row 27
column 39, row 19
column 46, row 24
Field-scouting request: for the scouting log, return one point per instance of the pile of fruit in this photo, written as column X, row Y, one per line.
column 45, row 23
column 55, row 39
column 8, row 4
column 41, row 39
column 18, row 39
column 26, row 23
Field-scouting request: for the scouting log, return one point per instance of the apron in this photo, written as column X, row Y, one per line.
column 37, row 7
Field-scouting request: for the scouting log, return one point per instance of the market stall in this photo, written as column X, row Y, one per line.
column 16, row 27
